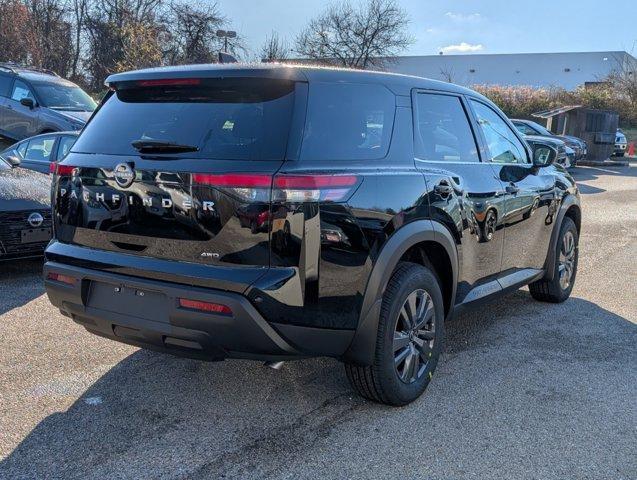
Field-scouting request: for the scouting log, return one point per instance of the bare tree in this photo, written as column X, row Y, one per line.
column 190, row 33
column 356, row 37
column 51, row 33
column 274, row 49
column 15, row 38
column 447, row 74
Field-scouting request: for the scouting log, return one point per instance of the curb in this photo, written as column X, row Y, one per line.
column 603, row 163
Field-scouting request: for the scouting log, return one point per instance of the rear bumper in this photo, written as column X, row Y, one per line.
column 146, row 313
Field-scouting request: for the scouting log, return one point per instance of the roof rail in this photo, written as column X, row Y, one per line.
column 14, row 67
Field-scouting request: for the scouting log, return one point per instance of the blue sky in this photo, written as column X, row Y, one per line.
column 466, row 26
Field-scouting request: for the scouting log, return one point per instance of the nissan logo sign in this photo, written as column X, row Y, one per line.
column 124, row 175
column 35, row 219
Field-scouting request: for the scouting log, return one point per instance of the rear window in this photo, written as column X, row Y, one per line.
column 229, row 119
column 348, row 121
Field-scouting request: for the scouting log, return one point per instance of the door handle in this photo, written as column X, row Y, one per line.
column 443, row 189
column 512, row 188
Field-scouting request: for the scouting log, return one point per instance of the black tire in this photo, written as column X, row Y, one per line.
column 381, row 381
column 554, row 290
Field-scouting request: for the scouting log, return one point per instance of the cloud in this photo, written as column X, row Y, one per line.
column 462, row 47
column 464, row 17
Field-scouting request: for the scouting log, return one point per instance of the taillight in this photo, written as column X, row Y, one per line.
column 205, row 306
column 285, row 188
column 58, row 277
column 61, row 169
column 247, row 186
column 313, row 188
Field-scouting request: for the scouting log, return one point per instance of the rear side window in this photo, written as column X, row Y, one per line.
column 229, row 119
column 348, row 122
column 5, row 85
column 65, row 146
column 40, row 149
column 443, row 132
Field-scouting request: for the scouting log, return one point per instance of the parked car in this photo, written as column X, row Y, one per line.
column 35, row 101
column 39, row 153
column 528, row 127
column 395, row 202
column 564, row 157
column 25, row 212
column 620, row 144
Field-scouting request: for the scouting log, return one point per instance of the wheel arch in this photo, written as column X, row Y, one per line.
column 570, row 208
column 425, row 242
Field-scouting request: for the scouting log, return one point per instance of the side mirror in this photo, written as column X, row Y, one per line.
column 13, row 160
column 543, row 154
column 27, row 102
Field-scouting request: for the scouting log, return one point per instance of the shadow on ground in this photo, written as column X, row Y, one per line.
column 20, row 282
column 584, row 174
column 157, row 416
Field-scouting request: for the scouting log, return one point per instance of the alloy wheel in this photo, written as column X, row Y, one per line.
column 414, row 336
column 567, row 260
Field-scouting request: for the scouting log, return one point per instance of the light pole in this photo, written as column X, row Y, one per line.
column 226, row 34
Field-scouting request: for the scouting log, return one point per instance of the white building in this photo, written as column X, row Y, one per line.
column 566, row 70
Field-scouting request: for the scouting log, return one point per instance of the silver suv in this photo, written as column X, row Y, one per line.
column 34, row 101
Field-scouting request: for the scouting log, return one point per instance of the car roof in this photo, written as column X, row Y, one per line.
column 40, row 77
column 398, row 83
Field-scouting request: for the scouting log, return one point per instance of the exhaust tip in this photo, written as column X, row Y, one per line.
column 273, row 365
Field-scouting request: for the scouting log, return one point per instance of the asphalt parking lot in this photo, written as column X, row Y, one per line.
column 525, row 390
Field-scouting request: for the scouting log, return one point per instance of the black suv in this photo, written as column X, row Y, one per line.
column 34, row 101
column 277, row 212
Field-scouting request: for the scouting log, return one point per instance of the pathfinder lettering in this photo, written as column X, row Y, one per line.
column 206, row 205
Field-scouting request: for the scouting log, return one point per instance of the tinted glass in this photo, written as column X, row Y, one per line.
column 540, row 130
column 233, row 119
column 503, row 145
column 22, row 148
column 65, row 146
column 40, row 149
column 348, row 122
column 64, row 97
column 443, row 132
column 524, row 129
column 20, row 91
column 5, row 85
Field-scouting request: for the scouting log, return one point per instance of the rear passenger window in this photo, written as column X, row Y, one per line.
column 348, row 121
column 40, row 149
column 443, row 132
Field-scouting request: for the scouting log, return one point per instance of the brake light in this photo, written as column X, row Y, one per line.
column 161, row 82
column 313, row 188
column 233, row 180
column 286, row 188
column 205, row 306
column 52, row 167
column 58, row 277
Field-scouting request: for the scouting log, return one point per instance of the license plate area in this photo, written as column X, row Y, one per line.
column 35, row 235
column 129, row 301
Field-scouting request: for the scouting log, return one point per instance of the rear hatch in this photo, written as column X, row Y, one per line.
column 179, row 169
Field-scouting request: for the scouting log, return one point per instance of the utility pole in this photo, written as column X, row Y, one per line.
column 226, row 34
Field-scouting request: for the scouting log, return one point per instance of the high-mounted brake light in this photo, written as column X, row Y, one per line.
column 160, row 82
column 205, row 306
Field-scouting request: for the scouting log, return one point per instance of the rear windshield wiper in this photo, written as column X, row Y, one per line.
column 161, row 146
